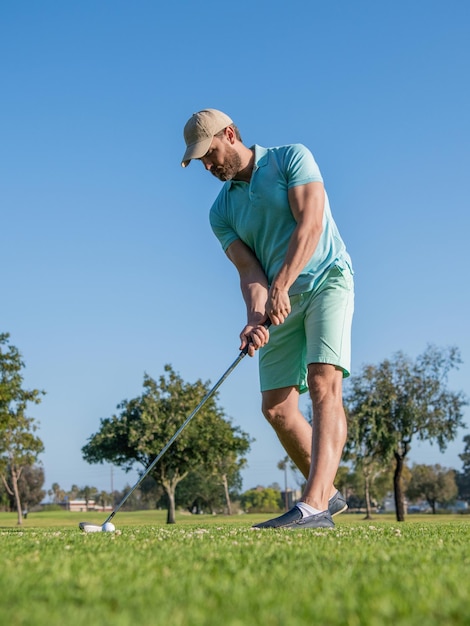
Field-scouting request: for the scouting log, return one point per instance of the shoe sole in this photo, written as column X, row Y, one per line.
column 340, row 511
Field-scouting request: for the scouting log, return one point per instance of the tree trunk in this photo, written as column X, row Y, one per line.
column 397, row 486
column 170, row 484
column 367, row 496
column 170, row 518
column 14, row 480
column 227, row 495
column 14, row 491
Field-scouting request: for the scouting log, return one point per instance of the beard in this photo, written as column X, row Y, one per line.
column 230, row 168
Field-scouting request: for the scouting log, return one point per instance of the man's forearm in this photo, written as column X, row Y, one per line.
column 253, row 280
column 302, row 246
column 255, row 295
column 307, row 203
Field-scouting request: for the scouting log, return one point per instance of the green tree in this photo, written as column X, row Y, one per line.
column 383, row 484
column 400, row 400
column 231, row 444
column 150, row 493
column 369, row 470
column 145, row 424
column 262, row 500
column 57, row 493
column 284, row 465
column 104, row 499
column 200, row 492
column 434, row 483
column 365, row 458
column 73, row 492
column 463, row 477
column 30, row 488
column 342, row 479
column 31, row 485
column 138, row 501
column 87, row 493
column 19, row 446
column 213, row 490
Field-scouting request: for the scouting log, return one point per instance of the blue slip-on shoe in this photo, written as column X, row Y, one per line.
column 293, row 520
column 337, row 504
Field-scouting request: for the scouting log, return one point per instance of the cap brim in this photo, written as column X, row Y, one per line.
column 196, row 151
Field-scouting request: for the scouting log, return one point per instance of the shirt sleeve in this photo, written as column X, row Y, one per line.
column 220, row 226
column 301, row 167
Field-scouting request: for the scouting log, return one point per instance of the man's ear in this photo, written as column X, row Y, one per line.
column 230, row 134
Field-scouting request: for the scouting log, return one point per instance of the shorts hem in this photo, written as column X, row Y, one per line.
column 302, row 386
column 328, row 361
column 271, row 387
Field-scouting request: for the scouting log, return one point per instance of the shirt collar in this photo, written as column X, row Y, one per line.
column 261, row 158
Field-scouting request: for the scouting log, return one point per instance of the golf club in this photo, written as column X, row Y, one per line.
column 107, row 526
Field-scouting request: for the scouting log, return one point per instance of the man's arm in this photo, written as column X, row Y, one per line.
column 307, row 203
column 254, row 288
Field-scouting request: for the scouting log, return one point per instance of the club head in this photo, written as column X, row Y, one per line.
column 87, row 527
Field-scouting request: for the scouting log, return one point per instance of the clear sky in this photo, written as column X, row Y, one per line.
column 109, row 268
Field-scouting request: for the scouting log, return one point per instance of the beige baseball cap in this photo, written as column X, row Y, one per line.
column 199, row 132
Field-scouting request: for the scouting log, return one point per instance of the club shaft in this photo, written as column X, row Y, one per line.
column 208, row 395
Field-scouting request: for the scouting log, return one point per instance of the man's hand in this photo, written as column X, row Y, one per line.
column 278, row 305
column 254, row 336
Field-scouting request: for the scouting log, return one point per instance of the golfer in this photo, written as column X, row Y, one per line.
column 273, row 220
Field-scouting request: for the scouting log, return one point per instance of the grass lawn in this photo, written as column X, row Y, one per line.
column 208, row 571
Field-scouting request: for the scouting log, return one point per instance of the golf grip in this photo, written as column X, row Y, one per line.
column 208, row 395
column 266, row 324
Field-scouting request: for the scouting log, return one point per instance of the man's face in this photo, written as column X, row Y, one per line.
column 222, row 160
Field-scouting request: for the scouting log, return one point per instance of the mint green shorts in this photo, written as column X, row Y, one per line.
column 318, row 330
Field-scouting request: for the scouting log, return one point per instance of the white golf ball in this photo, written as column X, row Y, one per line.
column 108, row 527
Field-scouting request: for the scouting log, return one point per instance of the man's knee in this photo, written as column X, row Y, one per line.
column 325, row 381
column 274, row 414
column 279, row 405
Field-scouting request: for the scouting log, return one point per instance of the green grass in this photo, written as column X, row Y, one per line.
column 213, row 571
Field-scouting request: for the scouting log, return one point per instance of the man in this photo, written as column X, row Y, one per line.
column 274, row 222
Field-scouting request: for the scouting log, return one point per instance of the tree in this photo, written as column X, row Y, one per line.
column 58, row 494
column 283, row 465
column 463, row 477
column 30, row 488
column 351, row 483
column 434, row 483
column 262, row 500
column 369, row 470
column 104, row 499
column 145, row 424
column 225, row 458
column 87, row 493
column 138, row 500
column 383, row 483
column 365, row 458
column 31, row 485
column 150, row 493
column 399, row 400
column 212, row 490
column 343, row 479
column 19, row 446
column 200, row 492
column 73, row 492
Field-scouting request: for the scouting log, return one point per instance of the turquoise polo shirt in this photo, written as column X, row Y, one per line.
column 259, row 214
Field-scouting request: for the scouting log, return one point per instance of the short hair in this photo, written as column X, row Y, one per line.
column 235, row 130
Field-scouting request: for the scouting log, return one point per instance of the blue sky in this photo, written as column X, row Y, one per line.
column 109, row 267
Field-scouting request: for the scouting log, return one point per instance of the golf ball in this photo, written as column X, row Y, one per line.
column 108, row 527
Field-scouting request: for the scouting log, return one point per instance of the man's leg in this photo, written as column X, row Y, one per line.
column 281, row 409
column 329, row 433
column 318, row 333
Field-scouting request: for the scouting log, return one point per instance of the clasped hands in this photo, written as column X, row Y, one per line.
column 256, row 333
